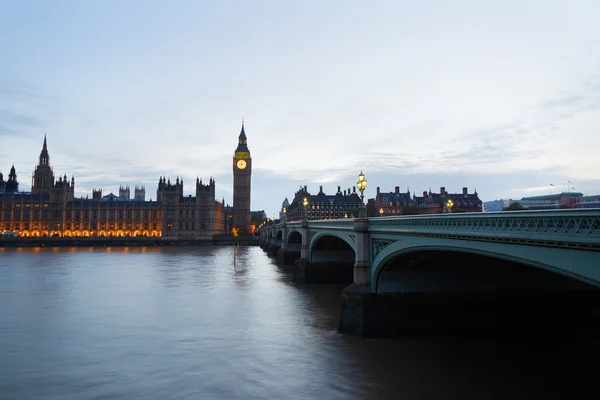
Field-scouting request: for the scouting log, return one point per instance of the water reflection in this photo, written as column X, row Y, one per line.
column 187, row 323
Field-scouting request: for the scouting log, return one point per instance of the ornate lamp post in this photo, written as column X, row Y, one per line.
column 362, row 185
column 284, row 214
column 305, row 204
column 449, row 205
column 381, row 212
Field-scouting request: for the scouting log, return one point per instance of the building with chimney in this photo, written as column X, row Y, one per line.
column 321, row 205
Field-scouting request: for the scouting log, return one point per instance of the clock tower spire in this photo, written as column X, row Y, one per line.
column 242, row 176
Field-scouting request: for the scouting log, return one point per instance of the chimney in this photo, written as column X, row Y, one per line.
column 442, row 190
column 344, row 192
column 465, row 191
column 353, row 189
column 339, row 189
column 397, row 189
column 305, row 189
column 377, row 190
column 424, row 194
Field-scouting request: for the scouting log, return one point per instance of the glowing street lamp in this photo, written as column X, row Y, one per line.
column 362, row 185
column 449, row 205
column 305, row 204
column 381, row 212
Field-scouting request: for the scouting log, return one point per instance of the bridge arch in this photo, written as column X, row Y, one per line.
column 332, row 246
column 294, row 240
column 567, row 262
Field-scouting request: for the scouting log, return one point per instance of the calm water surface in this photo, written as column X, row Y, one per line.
column 190, row 323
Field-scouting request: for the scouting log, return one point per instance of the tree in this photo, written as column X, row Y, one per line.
column 514, row 207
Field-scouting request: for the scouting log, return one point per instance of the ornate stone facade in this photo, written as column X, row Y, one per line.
column 51, row 209
column 242, row 178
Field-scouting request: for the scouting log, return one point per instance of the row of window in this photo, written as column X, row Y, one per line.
column 68, row 226
column 25, row 215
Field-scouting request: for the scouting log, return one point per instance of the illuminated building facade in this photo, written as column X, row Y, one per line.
column 51, row 209
column 321, row 205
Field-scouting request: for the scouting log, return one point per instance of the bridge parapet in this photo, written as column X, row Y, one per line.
column 579, row 227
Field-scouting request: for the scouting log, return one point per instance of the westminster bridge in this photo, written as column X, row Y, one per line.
column 521, row 252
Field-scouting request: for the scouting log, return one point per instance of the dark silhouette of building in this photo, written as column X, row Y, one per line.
column 12, row 184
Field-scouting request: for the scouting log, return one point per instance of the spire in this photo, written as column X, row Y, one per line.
column 242, row 146
column 44, row 156
column 242, row 133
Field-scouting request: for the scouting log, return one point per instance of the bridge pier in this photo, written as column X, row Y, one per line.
column 272, row 250
column 365, row 314
column 322, row 273
column 287, row 257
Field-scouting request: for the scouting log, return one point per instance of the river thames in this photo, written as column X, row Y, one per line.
column 193, row 323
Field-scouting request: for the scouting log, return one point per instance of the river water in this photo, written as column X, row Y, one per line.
column 195, row 323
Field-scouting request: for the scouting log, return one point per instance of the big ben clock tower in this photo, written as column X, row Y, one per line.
column 242, row 172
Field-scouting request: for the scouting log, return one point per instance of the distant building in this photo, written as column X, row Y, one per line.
column 11, row 185
column 588, row 202
column 496, row 205
column 139, row 193
column 432, row 203
column 390, row 203
column 321, row 205
column 284, row 207
column 51, row 209
column 395, row 203
column 547, row 201
column 124, row 192
column 558, row 200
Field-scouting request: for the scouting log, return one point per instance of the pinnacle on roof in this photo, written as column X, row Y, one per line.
column 242, row 133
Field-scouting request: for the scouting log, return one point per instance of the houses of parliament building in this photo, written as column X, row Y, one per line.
column 52, row 210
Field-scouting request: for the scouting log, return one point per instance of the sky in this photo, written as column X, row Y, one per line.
column 498, row 96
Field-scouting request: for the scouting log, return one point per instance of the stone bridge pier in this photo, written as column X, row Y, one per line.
column 363, row 313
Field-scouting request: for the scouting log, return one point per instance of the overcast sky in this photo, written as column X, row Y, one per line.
column 501, row 96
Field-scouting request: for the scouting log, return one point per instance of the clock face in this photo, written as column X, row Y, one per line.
column 241, row 164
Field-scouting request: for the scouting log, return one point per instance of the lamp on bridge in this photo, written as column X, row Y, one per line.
column 305, row 204
column 449, row 205
column 284, row 214
column 381, row 212
column 362, row 185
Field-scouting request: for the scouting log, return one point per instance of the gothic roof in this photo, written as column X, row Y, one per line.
column 242, row 146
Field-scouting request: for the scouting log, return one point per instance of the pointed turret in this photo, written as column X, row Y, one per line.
column 44, row 156
column 12, row 185
column 242, row 145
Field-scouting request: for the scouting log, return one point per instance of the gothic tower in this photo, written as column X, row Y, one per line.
column 43, row 176
column 12, row 185
column 242, row 174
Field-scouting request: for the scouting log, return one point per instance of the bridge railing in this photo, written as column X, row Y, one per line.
column 346, row 224
column 581, row 226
